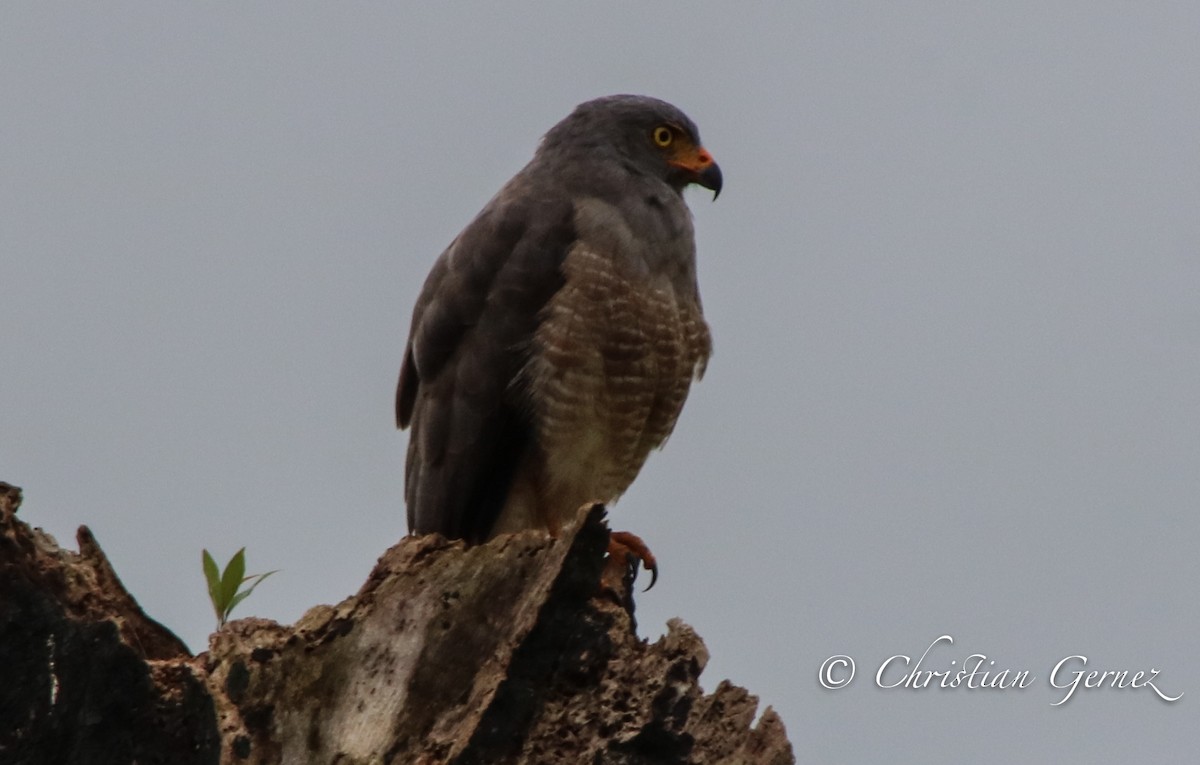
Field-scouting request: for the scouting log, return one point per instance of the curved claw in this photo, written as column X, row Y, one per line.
column 652, row 567
column 634, row 549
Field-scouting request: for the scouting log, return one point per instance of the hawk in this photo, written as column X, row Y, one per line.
column 555, row 340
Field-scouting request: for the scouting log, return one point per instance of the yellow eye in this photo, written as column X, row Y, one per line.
column 663, row 136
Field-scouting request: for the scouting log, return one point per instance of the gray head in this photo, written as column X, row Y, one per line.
column 649, row 135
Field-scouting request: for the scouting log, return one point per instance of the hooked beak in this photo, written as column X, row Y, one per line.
column 702, row 170
column 710, row 178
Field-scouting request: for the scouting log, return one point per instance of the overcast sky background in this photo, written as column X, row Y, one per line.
column 953, row 283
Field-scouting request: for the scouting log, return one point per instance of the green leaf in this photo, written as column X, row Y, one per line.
column 257, row 580
column 225, row 589
column 231, row 579
column 213, row 578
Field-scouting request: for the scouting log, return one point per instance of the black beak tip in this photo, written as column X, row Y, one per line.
column 710, row 178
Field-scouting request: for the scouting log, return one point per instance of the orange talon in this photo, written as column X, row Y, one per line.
column 626, row 549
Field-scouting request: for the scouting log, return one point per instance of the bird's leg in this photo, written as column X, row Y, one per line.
column 625, row 550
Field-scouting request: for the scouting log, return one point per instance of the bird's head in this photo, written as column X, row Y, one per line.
column 651, row 135
column 686, row 160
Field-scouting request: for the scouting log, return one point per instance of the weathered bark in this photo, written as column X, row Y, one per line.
column 85, row 675
column 501, row 653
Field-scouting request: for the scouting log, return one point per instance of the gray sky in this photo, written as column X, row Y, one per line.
column 952, row 282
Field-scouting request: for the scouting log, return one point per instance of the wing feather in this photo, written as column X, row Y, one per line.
column 471, row 335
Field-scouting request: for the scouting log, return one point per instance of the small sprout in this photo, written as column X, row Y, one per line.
column 225, row 589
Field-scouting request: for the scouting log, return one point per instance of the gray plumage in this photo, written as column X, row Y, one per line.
column 555, row 339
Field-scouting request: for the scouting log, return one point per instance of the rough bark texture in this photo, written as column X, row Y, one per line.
column 501, row 653
column 87, row 676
